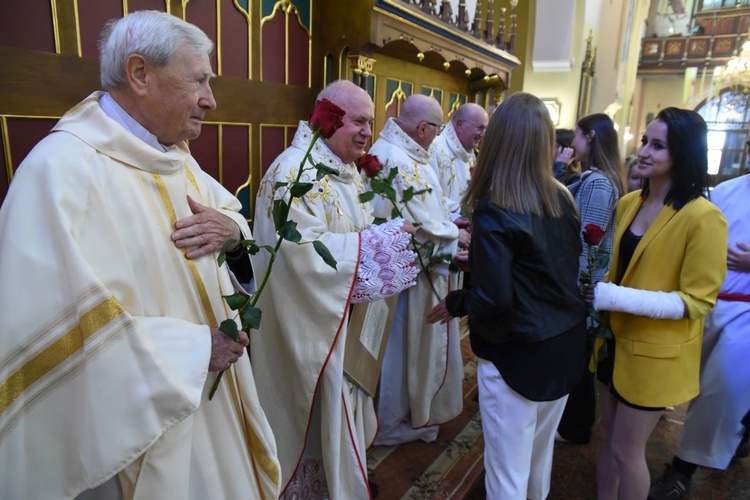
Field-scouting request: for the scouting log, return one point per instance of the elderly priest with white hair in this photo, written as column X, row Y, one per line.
column 111, row 294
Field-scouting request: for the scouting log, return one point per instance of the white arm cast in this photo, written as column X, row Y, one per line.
column 657, row 305
column 385, row 262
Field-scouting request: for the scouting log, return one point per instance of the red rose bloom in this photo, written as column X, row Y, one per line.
column 326, row 118
column 369, row 164
column 593, row 234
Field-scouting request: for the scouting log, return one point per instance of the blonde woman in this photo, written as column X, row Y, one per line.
column 526, row 314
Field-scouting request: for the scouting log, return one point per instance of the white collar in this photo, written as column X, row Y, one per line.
column 115, row 111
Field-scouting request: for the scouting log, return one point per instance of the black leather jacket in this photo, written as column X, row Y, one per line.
column 524, row 276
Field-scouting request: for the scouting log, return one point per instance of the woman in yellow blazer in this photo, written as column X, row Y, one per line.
column 668, row 264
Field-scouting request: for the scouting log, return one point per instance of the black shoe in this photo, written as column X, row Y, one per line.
column 743, row 450
column 671, row 485
column 373, row 489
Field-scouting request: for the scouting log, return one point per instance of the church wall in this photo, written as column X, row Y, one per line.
column 44, row 75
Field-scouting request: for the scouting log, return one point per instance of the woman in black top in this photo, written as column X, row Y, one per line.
column 526, row 314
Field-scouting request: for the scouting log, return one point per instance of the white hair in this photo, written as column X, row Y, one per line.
column 157, row 36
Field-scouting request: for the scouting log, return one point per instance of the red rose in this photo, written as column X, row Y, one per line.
column 326, row 118
column 369, row 164
column 593, row 234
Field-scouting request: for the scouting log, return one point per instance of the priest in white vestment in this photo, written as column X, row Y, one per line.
column 323, row 422
column 420, row 384
column 452, row 154
column 109, row 341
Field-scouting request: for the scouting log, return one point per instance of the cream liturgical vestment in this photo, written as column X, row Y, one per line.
column 316, row 413
column 104, row 347
column 452, row 164
column 422, row 371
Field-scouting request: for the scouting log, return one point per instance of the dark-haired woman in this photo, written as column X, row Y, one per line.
column 668, row 264
column 596, row 192
column 526, row 314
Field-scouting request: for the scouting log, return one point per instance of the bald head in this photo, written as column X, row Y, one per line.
column 421, row 117
column 470, row 121
column 343, row 92
column 349, row 141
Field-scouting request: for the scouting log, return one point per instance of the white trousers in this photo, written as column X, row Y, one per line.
column 519, row 438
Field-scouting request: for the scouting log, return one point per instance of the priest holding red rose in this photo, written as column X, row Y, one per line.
column 420, row 384
column 322, row 421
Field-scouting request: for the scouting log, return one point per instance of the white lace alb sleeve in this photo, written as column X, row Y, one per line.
column 385, row 262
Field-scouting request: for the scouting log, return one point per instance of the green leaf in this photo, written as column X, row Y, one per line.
column 366, row 196
column 324, row 170
column 236, row 300
column 408, row 194
column 280, row 213
column 377, row 185
column 379, row 220
column 289, row 232
column 279, row 185
column 395, row 213
column 222, row 258
column 251, row 317
column 392, row 175
column 322, row 250
column 251, row 247
column 390, row 193
column 299, row 189
column 229, row 328
column 603, row 261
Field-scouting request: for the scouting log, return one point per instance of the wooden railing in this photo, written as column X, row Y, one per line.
column 488, row 24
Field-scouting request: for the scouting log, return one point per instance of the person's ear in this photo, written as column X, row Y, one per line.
column 590, row 136
column 137, row 74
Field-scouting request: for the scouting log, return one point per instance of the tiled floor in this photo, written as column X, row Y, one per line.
column 573, row 469
column 450, row 468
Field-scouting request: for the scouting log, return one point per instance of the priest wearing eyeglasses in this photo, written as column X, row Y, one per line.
column 420, row 384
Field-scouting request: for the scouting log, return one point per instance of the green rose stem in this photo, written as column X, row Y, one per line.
column 249, row 315
column 596, row 259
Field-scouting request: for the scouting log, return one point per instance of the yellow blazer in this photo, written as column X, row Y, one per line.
column 657, row 361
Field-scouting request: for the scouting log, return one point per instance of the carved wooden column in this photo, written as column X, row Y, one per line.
column 461, row 19
column 512, row 42
column 490, row 32
column 446, row 12
column 501, row 29
column 361, row 67
column 476, row 28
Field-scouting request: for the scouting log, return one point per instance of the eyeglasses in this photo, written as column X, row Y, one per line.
column 440, row 126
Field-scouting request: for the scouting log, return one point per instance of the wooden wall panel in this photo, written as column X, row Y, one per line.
column 272, row 140
column 37, row 19
column 234, row 43
column 23, row 134
column 205, row 149
column 274, row 48
column 92, row 16
column 134, row 5
column 298, row 50
column 202, row 13
column 235, row 157
column 4, row 177
column 40, row 84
